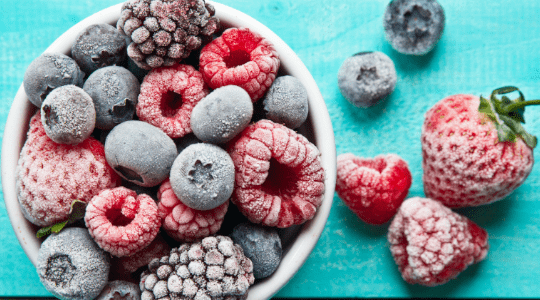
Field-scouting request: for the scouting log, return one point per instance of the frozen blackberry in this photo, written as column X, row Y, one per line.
column 119, row 289
column 114, row 91
column 286, row 102
column 163, row 32
column 98, row 46
column 202, row 176
column 47, row 72
column 413, row 26
column 222, row 114
column 214, row 268
column 366, row 78
column 140, row 153
column 71, row 265
column 68, row 115
column 260, row 244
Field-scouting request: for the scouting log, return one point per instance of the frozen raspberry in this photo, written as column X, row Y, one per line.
column 168, row 95
column 163, row 32
column 122, row 222
column 186, row 224
column 50, row 175
column 373, row 188
column 240, row 57
column 279, row 177
column 432, row 244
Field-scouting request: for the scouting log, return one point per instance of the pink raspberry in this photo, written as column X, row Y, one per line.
column 432, row 244
column 122, row 222
column 168, row 95
column 50, row 175
column 184, row 223
column 373, row 188
column 240, row 57
column 279, row 178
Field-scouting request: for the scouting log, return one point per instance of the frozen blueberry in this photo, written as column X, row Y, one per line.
column 287, row 102
column 68, row 115
column 71, row 265
column 413, row 26
column 366, row 78
column 260, row 244
column 47, row 72
column 140, row 153
column 202, row 176
column 222, row 114
column 120, row 289
column 115, row 91
column 98, row 46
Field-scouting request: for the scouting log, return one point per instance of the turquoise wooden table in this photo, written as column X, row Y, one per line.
column 486, row 44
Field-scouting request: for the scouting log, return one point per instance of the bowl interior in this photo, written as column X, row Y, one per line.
column 298, row 241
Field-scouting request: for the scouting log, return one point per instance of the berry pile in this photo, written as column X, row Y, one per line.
column 122, row 145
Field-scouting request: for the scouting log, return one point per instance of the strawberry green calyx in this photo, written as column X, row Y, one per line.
column 507, row 115
column 76, row 212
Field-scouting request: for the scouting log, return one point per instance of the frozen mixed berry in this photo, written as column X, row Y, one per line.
column 184, row 223
column 50, row 175
column 71, row 266
column 221, row 115
column 140, row 153
column 168, row 95
column 287, row 102
column 114, row 91
column 373, row 188
column 47, row 72
column 68, row 115
column 432, row 244
column 279, row 178
column 240, row 57
column 260, row 244
column 202, row 176
column 98, row 46
column 413, row 26
column 366, row 78
column 164, row 32
column 213, row 268
column 118, row 289
column 122, row 222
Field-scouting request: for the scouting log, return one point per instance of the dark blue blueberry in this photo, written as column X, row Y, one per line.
column 221, row 115
column 140, row 153
column 47, row 72
column 98, row 46
column 413, row 26
column 366, row 78
column 202, row 176
column 286, row 102
column 260, row 244
column 115, row 91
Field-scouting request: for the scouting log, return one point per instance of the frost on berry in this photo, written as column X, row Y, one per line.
column 432, row 244
column 59, row 269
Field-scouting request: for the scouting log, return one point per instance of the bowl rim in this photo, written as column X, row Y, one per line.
column 21, row 110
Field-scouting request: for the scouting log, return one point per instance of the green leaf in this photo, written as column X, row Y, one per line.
column 505, row 133
column 58, row 226
column 486, row 108
column 76, row 211
column 516, row 127
column 43, row 232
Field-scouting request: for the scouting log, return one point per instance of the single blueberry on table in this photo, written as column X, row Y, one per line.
column 286, row 102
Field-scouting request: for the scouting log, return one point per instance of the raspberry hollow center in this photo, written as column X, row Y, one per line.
column 116, row 217
column 281, row 181
column 170, row 104
column 236, row 58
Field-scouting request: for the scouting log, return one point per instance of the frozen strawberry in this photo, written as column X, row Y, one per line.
column 475, row 150
column 168, row 95
column 432, row 244
column 51, row 176
column 122, row 222
column 373, row 188
column 279, row 177
column 240, row 57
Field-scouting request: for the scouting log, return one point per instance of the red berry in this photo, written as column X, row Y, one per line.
column 51, row 176
column 432, row 244
column 279, row 177
column 373, row 188
column 184, row 223
column 122, row 222
column 240, row 57
column 168, row 95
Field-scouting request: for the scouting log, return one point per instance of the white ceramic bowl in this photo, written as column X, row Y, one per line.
column 318, row 128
